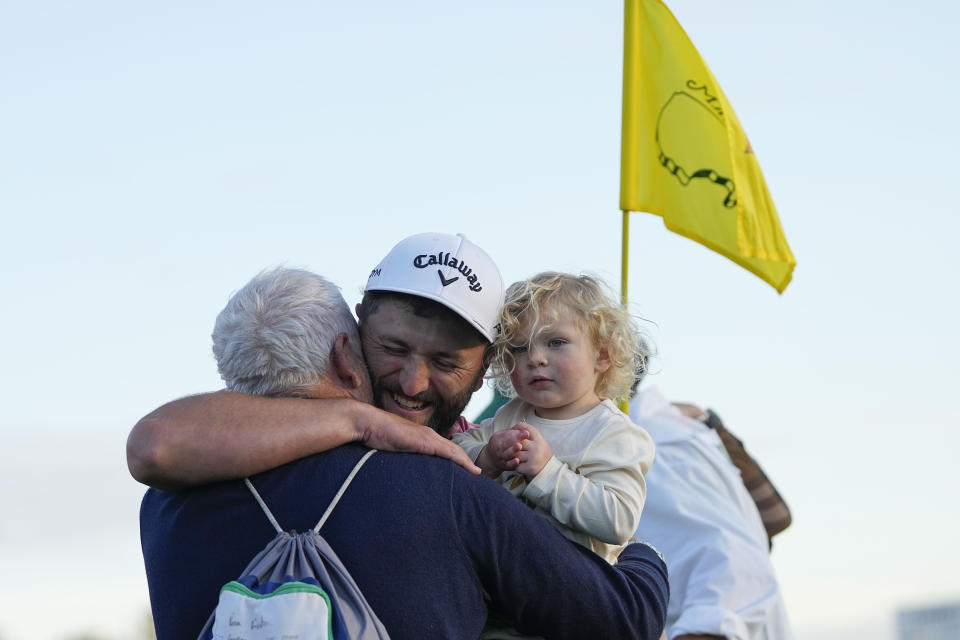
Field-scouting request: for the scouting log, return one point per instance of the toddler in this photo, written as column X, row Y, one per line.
column 568, row 351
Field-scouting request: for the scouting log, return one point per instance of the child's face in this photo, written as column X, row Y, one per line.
column 557, row 372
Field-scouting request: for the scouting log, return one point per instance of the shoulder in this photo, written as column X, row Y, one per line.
column 663, row 421
column 607, row 420
column 412, row 470
column 696, row 455
column 608, row 411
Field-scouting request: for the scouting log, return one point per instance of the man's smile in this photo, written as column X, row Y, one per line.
column 406, row 402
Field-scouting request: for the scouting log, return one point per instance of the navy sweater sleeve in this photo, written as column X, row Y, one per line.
column 548, row 585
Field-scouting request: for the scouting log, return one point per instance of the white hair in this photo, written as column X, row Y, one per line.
column 275, row 335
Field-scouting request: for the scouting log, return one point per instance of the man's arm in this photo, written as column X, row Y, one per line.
column 219, row 436
column 549, row 586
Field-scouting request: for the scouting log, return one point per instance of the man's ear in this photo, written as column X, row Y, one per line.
column 479, row 382
column 342, row 365
column 485, row 364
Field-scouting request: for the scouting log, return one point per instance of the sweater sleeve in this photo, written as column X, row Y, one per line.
column 472, row 441
column 604, row 494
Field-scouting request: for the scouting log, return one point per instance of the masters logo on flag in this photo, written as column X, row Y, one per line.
column 685, row 156
column 704, row 161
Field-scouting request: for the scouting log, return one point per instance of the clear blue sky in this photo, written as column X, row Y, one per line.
column 153, row 157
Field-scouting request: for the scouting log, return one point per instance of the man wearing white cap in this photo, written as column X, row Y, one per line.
column 425, row 361
column 428, row 313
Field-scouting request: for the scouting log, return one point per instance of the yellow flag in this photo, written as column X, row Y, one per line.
column 685, row 156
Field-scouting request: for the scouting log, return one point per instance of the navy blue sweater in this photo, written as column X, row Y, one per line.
column 429, row 545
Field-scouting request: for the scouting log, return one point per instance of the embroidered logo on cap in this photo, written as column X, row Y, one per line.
column 424, row 260
column 444, row 281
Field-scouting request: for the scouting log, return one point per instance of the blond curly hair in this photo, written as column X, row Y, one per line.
column 536, row 305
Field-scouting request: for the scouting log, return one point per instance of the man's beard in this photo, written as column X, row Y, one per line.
column 445, row 411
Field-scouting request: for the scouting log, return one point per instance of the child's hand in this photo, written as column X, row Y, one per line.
column 501, row 451
column 534, row 453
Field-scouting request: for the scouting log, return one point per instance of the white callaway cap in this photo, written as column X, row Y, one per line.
column 448, row 269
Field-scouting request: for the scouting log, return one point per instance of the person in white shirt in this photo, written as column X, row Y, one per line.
column 701, row 517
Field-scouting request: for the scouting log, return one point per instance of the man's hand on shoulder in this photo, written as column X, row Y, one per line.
column 381, row 430
column 221, row 436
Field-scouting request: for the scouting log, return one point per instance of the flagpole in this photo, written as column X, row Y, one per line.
column 629, row 17
column 624, row 263
column 624, row 256
column 629, row 14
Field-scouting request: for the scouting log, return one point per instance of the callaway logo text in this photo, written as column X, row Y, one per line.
column 444, row 260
